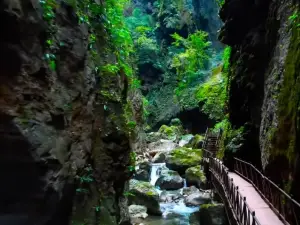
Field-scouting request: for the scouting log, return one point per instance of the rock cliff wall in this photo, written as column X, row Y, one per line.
column 65, row 150
column 264, row 84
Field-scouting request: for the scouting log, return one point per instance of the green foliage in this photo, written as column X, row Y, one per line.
column 128, row 193
column 220, row 2
column 294, row 18
column 139, row 22
column 213, row 93
column 110, row 69
column 132, row 162
column 192, row 59
column 145, row 107
column 142, row 29
column 135, row 83
column 232, row 138
column 49, row 7
column 131, row 124
column 226, row 57
column 85, row 177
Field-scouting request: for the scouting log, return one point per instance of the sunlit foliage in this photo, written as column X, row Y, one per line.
column 192, row 59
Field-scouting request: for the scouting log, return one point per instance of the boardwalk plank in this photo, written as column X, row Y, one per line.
column 263, row 212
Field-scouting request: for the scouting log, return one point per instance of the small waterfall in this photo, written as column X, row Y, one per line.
column 184, row 183
column 155, row 172
column 176, row 208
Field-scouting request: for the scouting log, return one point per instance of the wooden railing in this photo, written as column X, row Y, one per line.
column 281, row 203
column 238, row 204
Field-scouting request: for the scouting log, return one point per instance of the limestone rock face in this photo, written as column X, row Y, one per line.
column 61, row 141
column 264, row 67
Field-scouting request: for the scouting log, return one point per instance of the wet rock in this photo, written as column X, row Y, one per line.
column 170, row 215
column 161, row 145
column 170, row 196
column 171, row 132
column 185, row 139
column 142, row 175
column 137, row 211
column 145, row 194
column 159, row 158
column 143, row 172
column 212, row 214
column 194, row 218
column 183, row 158
column 197, row 199
column 175, row 122
column 189, row 190
column 195, row 176
column 169, row 180
column 196, row 142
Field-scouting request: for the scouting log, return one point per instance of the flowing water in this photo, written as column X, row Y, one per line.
column 174, row 213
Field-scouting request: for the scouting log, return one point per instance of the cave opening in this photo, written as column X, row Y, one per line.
column 195, row 121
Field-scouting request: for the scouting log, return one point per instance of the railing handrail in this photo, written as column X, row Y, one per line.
column 279, row 201
column 241, row 214
column 266, row 178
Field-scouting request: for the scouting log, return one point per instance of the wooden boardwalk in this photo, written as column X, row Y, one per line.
column 264, row 214
column 251, row 198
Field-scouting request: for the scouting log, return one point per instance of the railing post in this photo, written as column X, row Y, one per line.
column 244, row 217
column 253, row 218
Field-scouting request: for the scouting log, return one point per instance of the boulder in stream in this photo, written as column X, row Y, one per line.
column 209, row 214
column 169, row 180
column 170, row 196
column 145, row 194
column 198, row 198
column 183, row 158
column 137, row 212
column 143, row 172
column 160, row 157
column 185, row 139
column 195, row 176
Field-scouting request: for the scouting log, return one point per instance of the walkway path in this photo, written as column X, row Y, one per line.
column 263, row 212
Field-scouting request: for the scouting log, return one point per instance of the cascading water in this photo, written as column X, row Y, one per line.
column 175, row 212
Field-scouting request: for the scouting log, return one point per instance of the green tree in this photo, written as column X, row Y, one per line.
column 193, row 58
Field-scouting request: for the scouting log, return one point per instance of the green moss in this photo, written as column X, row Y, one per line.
column 186, row 156
column 195, row 141
column 284, row 139
column 170, row 132
column 195, row 173
column 150, row 193
column 206, row 206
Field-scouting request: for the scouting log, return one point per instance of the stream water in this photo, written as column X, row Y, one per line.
column 174, row 213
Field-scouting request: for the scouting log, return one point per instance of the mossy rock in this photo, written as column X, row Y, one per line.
column 169, row 180
column 183, row 158
column 195, row 176
column 212, row 214
column 170, row 132
column 175, row 122
column 196, row 141
column 144, row 193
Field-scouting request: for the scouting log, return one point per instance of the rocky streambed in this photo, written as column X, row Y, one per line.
column 171, row 188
